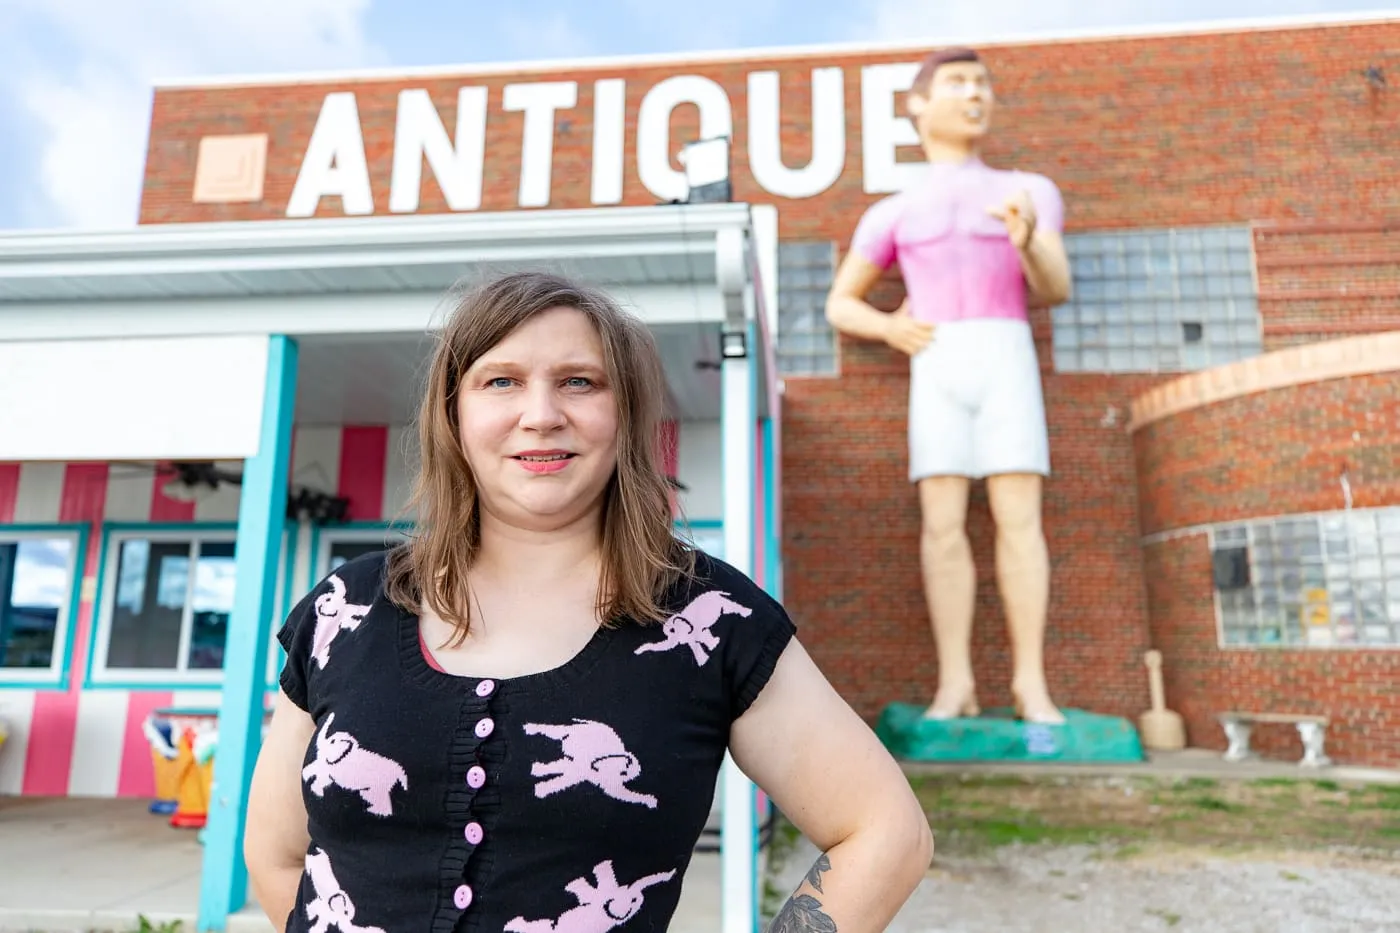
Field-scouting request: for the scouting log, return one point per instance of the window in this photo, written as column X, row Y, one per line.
column 1158, row 301
column 806, row 344
column 1310, row 581
column 337, row 546
column 167, row 605
column 707, row 536
column 37, row 573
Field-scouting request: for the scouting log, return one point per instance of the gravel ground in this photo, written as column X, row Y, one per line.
column 1076, row 889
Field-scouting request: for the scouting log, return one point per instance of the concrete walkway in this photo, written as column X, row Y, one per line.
column 94, row 866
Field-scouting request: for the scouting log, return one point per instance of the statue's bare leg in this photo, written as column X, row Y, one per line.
column 950, row 588
column 1023, row 576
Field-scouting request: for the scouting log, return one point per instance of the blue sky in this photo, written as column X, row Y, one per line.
column 78, row 73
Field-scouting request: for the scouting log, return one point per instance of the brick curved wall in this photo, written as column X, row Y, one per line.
column 1269, row 453
column 1356, row 689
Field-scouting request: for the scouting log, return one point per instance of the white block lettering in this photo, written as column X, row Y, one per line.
column 538, row 102
column 828, row 135
column 609, row 139
column 457, row 165
column 884, row 127
column 334, row 163
column 654, row 129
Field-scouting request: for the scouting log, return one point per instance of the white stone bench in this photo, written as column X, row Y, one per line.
column 1312, row 730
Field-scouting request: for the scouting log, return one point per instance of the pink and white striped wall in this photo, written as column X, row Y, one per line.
column 88, row 742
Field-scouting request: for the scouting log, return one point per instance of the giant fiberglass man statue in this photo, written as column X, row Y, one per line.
column 976, row 247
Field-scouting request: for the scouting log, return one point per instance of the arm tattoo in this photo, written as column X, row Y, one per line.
column 803, row 912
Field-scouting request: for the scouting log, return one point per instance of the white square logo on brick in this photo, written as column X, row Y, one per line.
column 230, row 169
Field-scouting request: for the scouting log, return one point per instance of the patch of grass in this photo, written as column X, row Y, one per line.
column 1327, row 785
column 1291, row 876
column 1274, row 782
column 971, row 815
column 1168, row 917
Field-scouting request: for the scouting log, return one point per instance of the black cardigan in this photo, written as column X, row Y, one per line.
column 567, row 801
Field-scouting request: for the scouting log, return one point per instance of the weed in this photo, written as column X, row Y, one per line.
column 1168, row 917
column 1215, row 803
column 146, row 925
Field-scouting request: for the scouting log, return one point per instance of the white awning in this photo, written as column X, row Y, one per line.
column 195, row 398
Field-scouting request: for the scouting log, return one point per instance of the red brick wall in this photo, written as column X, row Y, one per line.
column 1326, row 279
column 1356, row 689
column 1276, row 126
column 1272, row 453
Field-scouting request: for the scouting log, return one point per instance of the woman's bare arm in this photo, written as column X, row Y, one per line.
column 276, row 839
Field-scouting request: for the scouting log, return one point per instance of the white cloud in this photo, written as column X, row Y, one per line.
column 980, row 19
column 92, row 112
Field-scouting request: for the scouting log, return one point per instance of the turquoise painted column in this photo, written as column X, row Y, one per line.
column 262, row 513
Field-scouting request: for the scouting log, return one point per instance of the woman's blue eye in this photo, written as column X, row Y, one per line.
column 500, row 382
column 579, row 382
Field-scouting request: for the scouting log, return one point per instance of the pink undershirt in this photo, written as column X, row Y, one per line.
column 428, row 655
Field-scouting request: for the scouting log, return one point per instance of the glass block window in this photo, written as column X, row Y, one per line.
column 1314, row 581
column 806, row 343
column 1158, row 301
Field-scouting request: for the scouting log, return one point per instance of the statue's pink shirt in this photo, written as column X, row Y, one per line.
column 957, row 260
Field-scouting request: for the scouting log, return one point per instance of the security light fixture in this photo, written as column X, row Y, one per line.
column 706, row 164
column 733, row 345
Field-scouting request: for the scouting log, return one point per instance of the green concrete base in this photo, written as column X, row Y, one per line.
column 997, row 736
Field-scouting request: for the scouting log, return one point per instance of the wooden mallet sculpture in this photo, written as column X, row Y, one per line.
column 1161, row 729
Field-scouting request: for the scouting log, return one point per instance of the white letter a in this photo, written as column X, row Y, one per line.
column 335, row 161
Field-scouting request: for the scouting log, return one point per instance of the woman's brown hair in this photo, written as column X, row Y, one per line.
column 642, row 557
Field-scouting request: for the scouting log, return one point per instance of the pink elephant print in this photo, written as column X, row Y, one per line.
column 331, row 907
column 691, row 626
column 593, row 754
column 342, row 761
column 601, row 907
column 333, row 614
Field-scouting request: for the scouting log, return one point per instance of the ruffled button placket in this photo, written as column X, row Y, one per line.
column 478, row 749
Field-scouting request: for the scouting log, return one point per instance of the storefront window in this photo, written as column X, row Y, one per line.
column 338, row 546
column 170, row 604
column 1327, row 580
column 36, row 586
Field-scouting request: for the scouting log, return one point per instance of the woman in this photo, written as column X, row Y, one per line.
column 516, row 721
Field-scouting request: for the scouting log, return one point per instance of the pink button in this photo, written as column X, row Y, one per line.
column 485, row 688
column 484, row 728
column 462, row 897
column 474, row 833
column 476, row 776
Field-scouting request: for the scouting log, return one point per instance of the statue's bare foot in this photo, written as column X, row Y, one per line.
column 954, row 702
column 1033, row 705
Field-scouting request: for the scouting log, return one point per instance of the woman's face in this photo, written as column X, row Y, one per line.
column 539, row 422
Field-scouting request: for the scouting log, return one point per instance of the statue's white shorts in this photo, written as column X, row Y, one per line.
column 975, row 402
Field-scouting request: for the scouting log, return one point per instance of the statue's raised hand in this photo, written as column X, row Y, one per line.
column 1018, row 213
